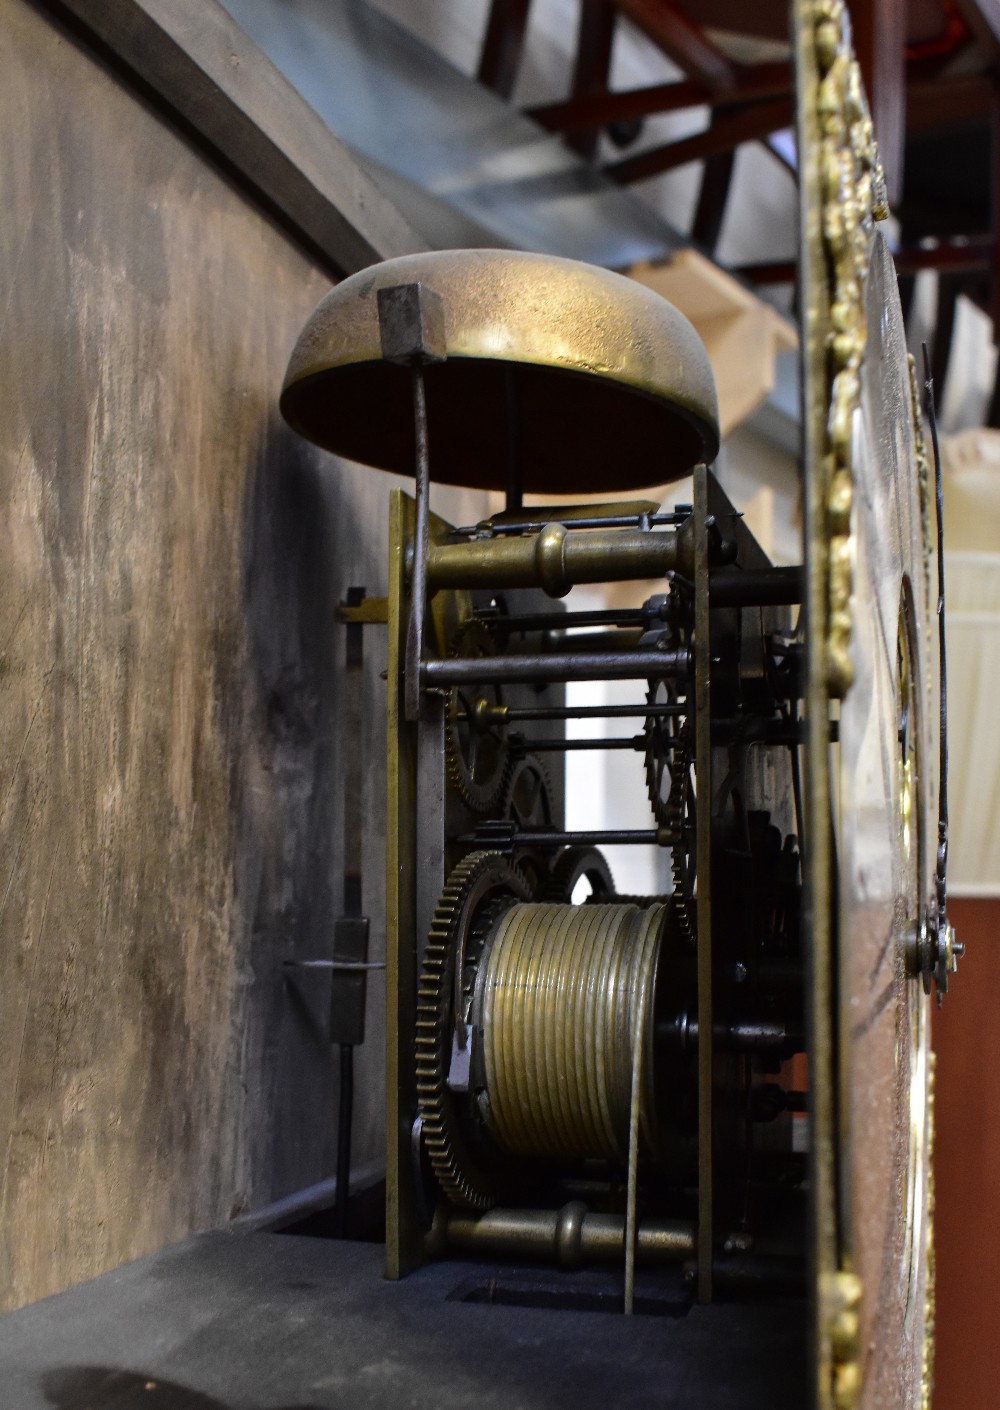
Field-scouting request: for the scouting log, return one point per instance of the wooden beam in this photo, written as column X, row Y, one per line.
column 971, row 255
column 729, row 132
column 983, row 18
column 503, row 45
column 681, row 40
column 944, row 102
column 602, row 109
column 595, row 38
column 880, row 44
column 206, row 72
column 716, row 180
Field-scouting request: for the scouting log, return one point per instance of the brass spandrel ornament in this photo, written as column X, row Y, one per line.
column 854, row 198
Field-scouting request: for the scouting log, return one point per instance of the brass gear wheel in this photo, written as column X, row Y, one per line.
column 528, row 796
column 683, row 852
column 669, row 754
column 573, row 864
column 478, row 760
column 477, row 891
column 663, row 737
column 529, row 802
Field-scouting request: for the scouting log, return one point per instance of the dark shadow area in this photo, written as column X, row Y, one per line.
column 586, row 1291
column 103, row 1388
column 365, row 1217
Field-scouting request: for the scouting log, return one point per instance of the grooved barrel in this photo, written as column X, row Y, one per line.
column 559, row 991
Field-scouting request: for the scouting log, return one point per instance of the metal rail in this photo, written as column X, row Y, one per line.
column 573, row 666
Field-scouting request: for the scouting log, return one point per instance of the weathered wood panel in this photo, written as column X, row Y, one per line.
column 211, row 75
column 170, row 556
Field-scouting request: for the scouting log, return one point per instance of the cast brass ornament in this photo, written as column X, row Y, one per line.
column 853, row 187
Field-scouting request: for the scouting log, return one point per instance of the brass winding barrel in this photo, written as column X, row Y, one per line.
column 559, row 990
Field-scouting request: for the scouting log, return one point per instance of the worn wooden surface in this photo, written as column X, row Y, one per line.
column 170, row 556
column 205, row 70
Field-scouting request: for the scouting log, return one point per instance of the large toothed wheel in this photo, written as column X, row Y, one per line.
column 670, row 782
column 480, row 889
column 576, row 864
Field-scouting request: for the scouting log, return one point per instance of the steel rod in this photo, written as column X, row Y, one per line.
column 573, row 666
column 587, row 643
column 344, row 1121
column 563, row 621
column 756, row 587
column 614, row 837
column 587, row 712
column 569, row 746
column 742, row 1036
column 348, row 966
column 599, row 521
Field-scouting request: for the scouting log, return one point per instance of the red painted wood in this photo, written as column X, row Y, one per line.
column 967, row 1169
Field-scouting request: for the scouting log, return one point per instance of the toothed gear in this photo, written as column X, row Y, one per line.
column 479, row 889
column 528, row 802
column 529, row 794
column 570, row 866
column 669, row 753
column 478, row 761
column 683, row 849
column 662, row 738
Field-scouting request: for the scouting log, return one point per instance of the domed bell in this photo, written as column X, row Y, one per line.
column 592, row 382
